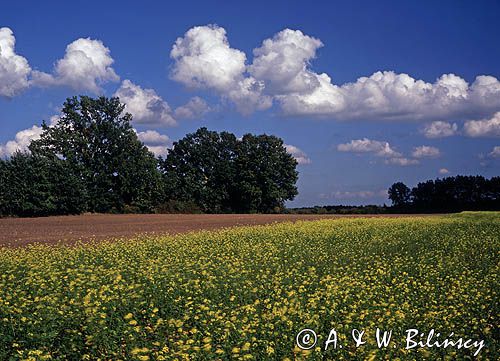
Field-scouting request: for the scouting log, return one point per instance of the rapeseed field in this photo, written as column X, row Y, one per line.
column 246, row 293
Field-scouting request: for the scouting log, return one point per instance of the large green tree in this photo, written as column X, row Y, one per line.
column 200, row 169
column 96, row 139
column 265, row 174
column 33, row 185
column 220, row 173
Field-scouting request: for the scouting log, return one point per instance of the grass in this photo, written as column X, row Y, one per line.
column 245, row 293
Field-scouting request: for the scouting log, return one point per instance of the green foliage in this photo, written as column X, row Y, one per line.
column 109, row 170
column 399, row 194
column 220, row 173
column 265, row 176
column 450, row 194
column 100, row 145
column 200, row 169
column 39, row 185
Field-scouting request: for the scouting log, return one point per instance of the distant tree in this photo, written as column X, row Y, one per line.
column 219, row 173
column 399, row 194
column 450, row 194
column 266, row 174
column 96, row 139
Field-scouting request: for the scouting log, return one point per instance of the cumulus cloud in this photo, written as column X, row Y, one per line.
column 281, row 71
column 21, row 141
column 495, row 153
column 23, row 138
column 14, row 69
column 194, row 108
column 444, row 171
column 388, row 95
column 204, row 59
column 365, row 145
column 86, row 65
column 299, row 155
column 282, row 62
column 439, row 129
column 489, row 127
column 156, row 142
column 402, row 161
column 145, row 105
column 425, row 151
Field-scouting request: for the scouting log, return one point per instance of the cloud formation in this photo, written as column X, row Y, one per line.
column 157, row 143
column 204, row 59
column 439, row 129
column 443, row 171
column 299, row 155
column 281, row 71
column 86, row 65
column 21, row 141
column 283, row 61
column 495, row 153
column 195, row 108
column 145, row 105
column 23, row 138
column 365, row 145
column 425, row 151
column 14, row 69
column 489, row 127
column 402, row 161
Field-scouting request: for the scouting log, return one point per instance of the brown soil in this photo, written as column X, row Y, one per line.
column 69, row 229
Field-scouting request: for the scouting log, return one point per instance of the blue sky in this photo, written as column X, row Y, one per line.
column 363, row 93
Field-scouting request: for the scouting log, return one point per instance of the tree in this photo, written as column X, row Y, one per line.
column 399, row 194
column 219, row 173
column 39, row 186
column 102, row 148
column 200, row 169
column 266, row 174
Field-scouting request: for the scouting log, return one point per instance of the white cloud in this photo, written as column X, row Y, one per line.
column 298, row 154
column 365, row 145
column 21, row 141
column 402, row 161
column 204, row 59
column 443, row 171
column 425, row 151
column 440, row 129
column 86, row 65
column 489, row 127
column 283, row 62
column 391, row 96
column 156, row 142
column 14, row 69
column 194, row 108
column 145, row 105
column 495, row 153
column 282, row 71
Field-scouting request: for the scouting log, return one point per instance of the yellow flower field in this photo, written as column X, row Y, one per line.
column 245, row 293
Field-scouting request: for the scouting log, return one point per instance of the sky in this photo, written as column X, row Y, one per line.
column 363, row 93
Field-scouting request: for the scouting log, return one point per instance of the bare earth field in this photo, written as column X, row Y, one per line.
column 69, row 229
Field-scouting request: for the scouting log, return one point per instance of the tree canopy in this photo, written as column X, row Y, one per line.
column 91, row 160
column 96, row 139
column 450, row 194
column 220, row 173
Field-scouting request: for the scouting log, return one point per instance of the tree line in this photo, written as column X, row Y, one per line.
column 91, row 160
column 450, row 194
